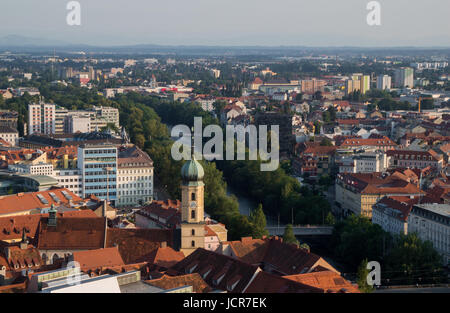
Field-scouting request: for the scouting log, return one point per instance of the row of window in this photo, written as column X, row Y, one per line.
column 99, row 187
column 110, row 173
column 105, row 165
column 99, row 151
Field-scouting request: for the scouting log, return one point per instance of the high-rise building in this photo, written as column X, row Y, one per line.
column 41, row 118
column 404, row 77
column 352, row 86
column 365, row 83
column 358, row 82
column 312, row 86
column 98, row 167
column 384, row 82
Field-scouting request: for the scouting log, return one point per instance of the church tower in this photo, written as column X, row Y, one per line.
column 192, row 206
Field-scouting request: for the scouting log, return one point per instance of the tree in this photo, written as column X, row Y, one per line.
column 357, row 238
column 318, row 95
column 326, row 142
column 289, row 236
column 110, row 126
column 258, row 220
column 329, row 219
column 299, row 97
column 363, row 272
column 413, row 261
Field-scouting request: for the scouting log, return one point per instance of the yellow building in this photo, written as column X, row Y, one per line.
column 357, row 192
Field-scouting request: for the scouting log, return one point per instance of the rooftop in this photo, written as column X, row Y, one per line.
column 440, row 209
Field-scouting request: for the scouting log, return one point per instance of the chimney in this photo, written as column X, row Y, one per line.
column 164, row 244
column 24, row 242
column 52, row 216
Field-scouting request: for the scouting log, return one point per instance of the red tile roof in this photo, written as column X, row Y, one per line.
column 328, row 281
column 376, row 183
column 170, row 282
column 165, row 257
column 136, row 245
column 280, row 257
column 269, row 283
column 11, row 227
column 378, row 142
column 72, row 234
column 93, row 259
column 219, row 271
column 22, row 202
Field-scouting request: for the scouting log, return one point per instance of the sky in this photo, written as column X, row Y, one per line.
column 318, row 23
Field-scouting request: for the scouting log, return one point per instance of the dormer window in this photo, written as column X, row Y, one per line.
column 218, row 280
column 206, row 274
column 192, row 268
column 233, row 283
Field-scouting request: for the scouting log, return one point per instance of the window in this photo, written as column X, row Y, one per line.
column 192, row 214
column 193, row 232
column 193, row 196
column 193, row 243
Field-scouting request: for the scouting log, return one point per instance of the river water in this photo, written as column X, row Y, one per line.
column 247, row 205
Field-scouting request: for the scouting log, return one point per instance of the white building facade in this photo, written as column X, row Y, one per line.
column 432, row 222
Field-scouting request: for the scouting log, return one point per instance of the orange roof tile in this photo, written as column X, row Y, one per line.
column 328, row 281
column 170, row 282
column 22, row 202
column 93, row 259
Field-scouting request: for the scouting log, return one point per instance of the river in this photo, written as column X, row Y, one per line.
column 247, row 205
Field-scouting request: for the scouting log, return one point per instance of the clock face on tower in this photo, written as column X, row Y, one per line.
column 193, row 204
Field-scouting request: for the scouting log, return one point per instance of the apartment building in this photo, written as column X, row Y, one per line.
column 382, row 143
column 392, row 213
column 9, row 134
column 384, row 82
column 312, row 86
column 33, row 164
column 404, row 77
column 357, row 192
column 41, row 118
column 134, row 177
column 70, row 179
column 85, row 121
column 432, row 222
column 74, row 124
column 358, row 82
column 110, row 115
column 367, row 162
column 415, row 159
column 9, row 118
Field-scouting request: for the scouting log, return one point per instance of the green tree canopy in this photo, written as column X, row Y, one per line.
column 289, row 236
column 258, row 220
